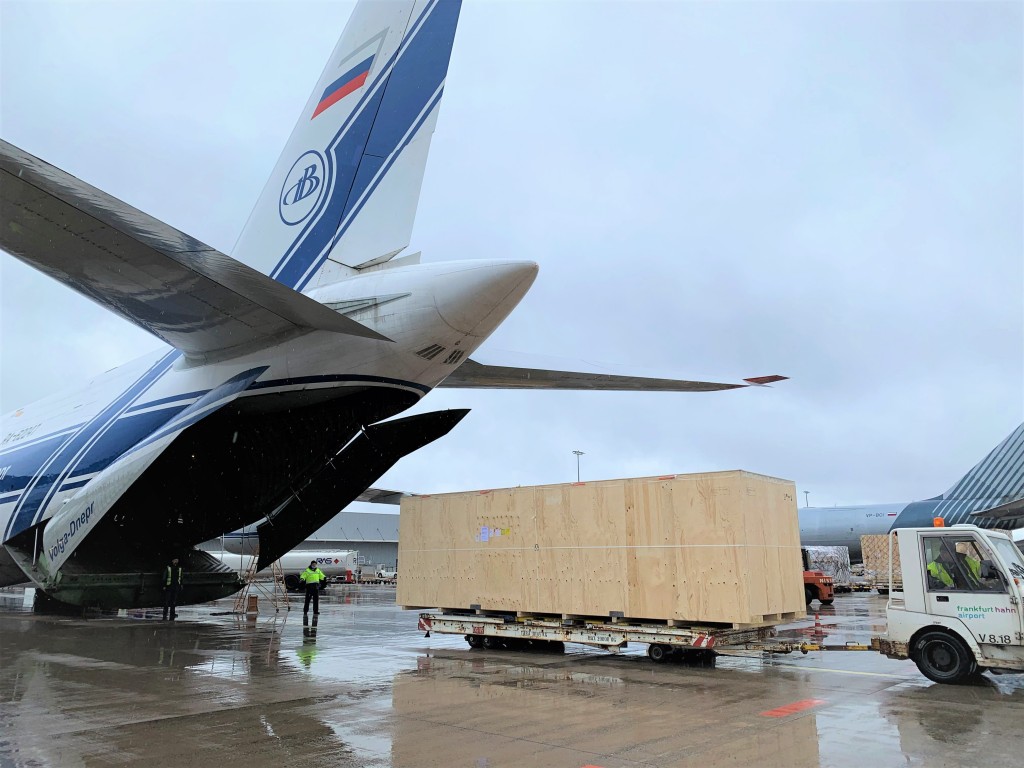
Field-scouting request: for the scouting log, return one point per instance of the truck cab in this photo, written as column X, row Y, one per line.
column 959, row 611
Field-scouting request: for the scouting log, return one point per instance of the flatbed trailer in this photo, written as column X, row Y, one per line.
column 663, row 641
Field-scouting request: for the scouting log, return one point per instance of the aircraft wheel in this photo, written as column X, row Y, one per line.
column 943, row 658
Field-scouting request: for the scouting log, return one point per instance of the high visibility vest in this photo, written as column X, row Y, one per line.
column 168, row 576
column 938, row 571
column 313, row 576
column 974, row 565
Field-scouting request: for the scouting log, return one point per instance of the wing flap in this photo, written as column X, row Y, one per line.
column 192, row 296
column 474, row 375
column 1011, row 510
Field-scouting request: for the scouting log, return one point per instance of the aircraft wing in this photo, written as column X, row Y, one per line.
column 1011, row 510
column 195, row 298
column 381, row 496
column 474, row 375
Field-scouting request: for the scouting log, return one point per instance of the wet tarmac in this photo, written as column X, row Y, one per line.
column 369, row 690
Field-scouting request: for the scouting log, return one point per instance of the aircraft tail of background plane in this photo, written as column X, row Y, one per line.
column 999, row 475
column 344, row 191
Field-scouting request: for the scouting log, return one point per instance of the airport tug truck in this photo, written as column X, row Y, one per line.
column 959, row 611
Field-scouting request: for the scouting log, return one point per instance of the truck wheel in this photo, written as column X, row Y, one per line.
column 943, row 658
column 809, row 595
column 291, row 582
column 658, row 653
column 827, row 602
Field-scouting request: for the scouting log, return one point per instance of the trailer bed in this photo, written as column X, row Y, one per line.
column 491, row 631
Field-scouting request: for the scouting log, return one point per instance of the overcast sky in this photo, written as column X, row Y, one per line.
column 829, row 191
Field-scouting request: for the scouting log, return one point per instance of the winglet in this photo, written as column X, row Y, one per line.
column 764, row 381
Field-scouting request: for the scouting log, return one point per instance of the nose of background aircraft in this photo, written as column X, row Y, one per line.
column 476, row 297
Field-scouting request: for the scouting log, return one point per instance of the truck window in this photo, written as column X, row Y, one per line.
column 1011, row 556
column 953, row 564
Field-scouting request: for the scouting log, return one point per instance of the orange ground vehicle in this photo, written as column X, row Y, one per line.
column 817, row 585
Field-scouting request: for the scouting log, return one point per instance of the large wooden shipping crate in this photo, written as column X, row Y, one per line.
column 875, row 552
column 720, row 547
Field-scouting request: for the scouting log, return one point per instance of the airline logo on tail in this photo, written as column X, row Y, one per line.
column 302, row 188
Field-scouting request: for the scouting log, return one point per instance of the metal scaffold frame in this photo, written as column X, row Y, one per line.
column 274, row 591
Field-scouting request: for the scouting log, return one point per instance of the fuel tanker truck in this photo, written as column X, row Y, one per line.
column 338, row 565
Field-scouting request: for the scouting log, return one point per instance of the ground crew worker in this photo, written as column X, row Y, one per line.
column 938, row 572
column 172, row 586
column 312, row 577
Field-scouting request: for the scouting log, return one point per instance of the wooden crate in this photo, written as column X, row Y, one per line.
column 720, row 547
column 875, row 552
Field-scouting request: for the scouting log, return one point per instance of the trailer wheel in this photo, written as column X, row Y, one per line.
column 827, row 602
column 475, row 641
column 659, row 653
column 943, row 658
column 492, row 643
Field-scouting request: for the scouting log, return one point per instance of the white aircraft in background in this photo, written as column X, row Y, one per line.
column 991, row 495
column 285, row 361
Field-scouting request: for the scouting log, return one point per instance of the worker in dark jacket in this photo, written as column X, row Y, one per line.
column 312, row 577
column 172, row 587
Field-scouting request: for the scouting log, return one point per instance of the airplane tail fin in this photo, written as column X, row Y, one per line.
column 344, row 191
column 999, row 475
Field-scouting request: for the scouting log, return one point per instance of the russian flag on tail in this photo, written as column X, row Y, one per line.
column 349, row 82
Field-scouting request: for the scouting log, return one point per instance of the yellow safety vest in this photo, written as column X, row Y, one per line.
column 938, row 571
column 168, row 577
column 975, row 566
column 313, row 576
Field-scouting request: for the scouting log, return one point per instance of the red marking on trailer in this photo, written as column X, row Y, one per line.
column 792, row 709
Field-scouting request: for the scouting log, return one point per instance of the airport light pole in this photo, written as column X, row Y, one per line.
column 806, row 496
column 578, row 454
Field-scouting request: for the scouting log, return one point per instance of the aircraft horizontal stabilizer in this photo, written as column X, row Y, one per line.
column 195, row 298
column 1011, row 510
column 474, row 375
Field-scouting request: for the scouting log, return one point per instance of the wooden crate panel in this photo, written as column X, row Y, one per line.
column 717, row 547
column 875, row 551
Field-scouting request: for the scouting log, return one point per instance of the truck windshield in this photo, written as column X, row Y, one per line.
column 1010, row 555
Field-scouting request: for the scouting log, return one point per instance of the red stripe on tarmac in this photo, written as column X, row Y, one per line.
column 790, row 709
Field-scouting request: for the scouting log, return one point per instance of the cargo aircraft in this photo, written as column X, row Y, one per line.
column 273, row 404
column 990, row 495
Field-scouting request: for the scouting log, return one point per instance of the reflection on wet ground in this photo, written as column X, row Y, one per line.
column 360, row 686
